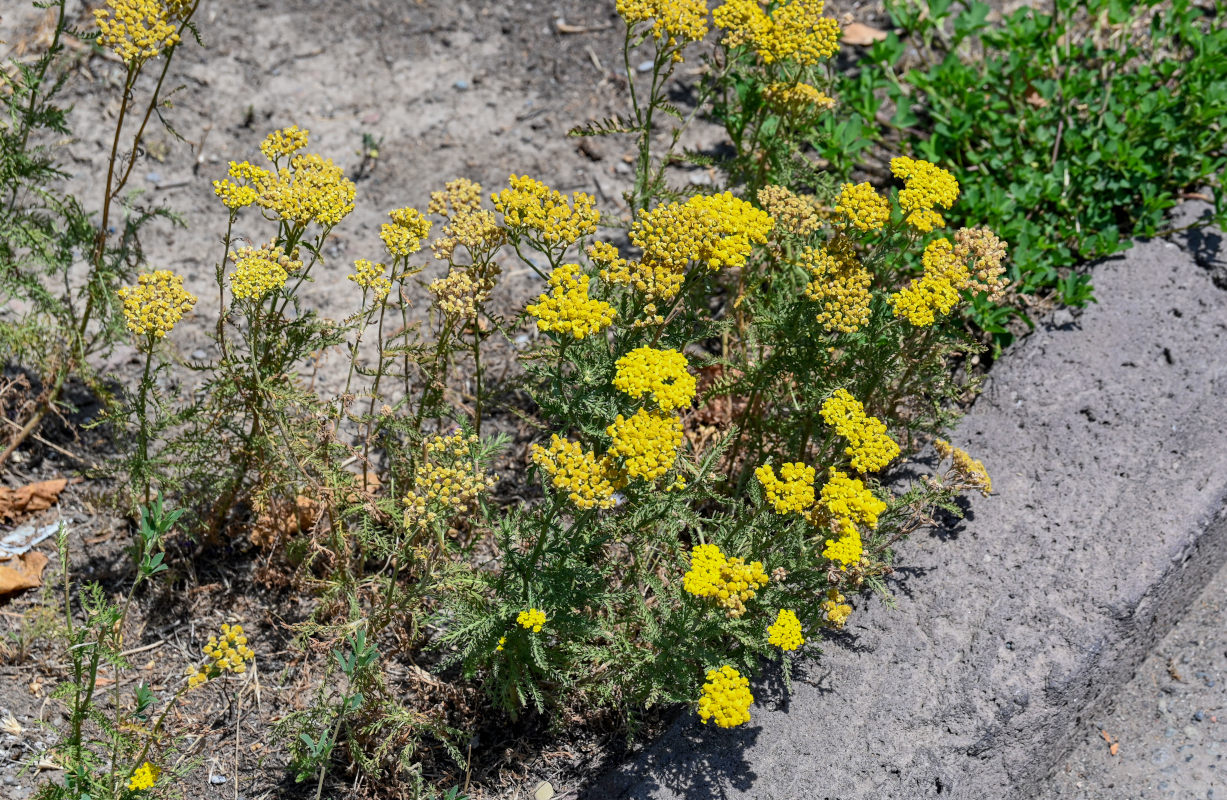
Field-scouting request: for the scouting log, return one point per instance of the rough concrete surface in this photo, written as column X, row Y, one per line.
column 1168, row 725
column 1105, row 442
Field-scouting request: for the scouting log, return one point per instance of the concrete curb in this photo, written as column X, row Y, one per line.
column 1104, row 436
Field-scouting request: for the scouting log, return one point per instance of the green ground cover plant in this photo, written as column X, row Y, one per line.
column 1072, row 127
column 716, row 390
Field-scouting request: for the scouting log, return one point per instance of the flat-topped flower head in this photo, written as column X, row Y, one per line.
column 791, row 212
column 646, row 442
column 661, row 374
column 674, row 22
column 848, row 503
column 260, row 270
column 840, row 284
column 985, row 254
column 726, row 698
column 404, row 234
column 156, row 304
column 531, row 208
column 448, row 482
column 731, row 582
column 860, row 206
column 835, row 610
column 531, row 620
column 457, row 197
column 138, row 30
column 589, row 480
column 936, row 291
column 926, row 187
column 144, row 777
column 792, row 491
column 795, row 31
column 785, row 632
column 567, row 309
column 869, row 446
column 226, row 652
column 845, row 550
column 370, row 275
column 284, row 142
column 797, row 101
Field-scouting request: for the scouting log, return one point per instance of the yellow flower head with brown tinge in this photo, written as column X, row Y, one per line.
column 589, row 480
column 795, row 31
column 840, row 283
column 227, row 652
column 544, row 215
column 258, row 271
column 731, row 582
column 156, row 303
column 137, row 30
column 869, row 447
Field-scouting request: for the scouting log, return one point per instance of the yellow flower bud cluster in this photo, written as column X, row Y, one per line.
column 647, row 442
column 567, row 309
column 157, row 302
column 371, row 276
column 840, row 283
column 546, row 216
column 925, row 187
column 936, row 291
column 227, row 652
column 404, row 235
column 797, row 101
column 144, row 777
column 284, row 142
column 258, row 271
column 726, row 698
column 869, row 447
column 785, row 632
column 457, row 197
column 729, row 581
column 137, row 30
column 674, row 22
column 835, row 610
column 986, row 254
column 795, row 31
column 970, row 470
column 462, row 291
column 792, row 491
column 447, row 480
column 793, row 213
column 531, row 620
column 660, row 373
column 861, row 206
column 590, row 480
column 476, row 230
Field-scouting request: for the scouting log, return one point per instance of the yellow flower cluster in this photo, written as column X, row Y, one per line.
column 454, row 486
column 234, row 195
column 502, row 640
column 136, row 30
column 799, row 101
column 729, row 581
column 369, row 275
column 225, row 653
column 793, row 213
column 869, row 447
column 156, row 303
column 475, row 230
column 531, row 620
column 590, row 480
column 457, row 197
column 795, row 31
column 673, row 21
column 840, row 283
column 969, row 469
column 144, row 777
column 284, row 142
column 936, row 291
column 545, row 215
column 647, row 443
column 785, row 632
column 462, row 292
column 792, row 491
column 567, row 309
column 660, row 373
column 925, row 186
column 986, row 254
column 835, row 610
column 403, row 236
column 862, row 206
column 732, row 227
column 849, row 502
column 258, row 271
column 726, row 698
column 847, row 549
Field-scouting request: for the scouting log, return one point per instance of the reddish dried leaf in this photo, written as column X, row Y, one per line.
column 23, row 572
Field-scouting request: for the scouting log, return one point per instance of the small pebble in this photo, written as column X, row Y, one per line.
column 1192, row 733
column 645, row 66
column 1199, row 716
column 154, row 177
column 461, row 85
column 199, row 355
column 217, row 780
